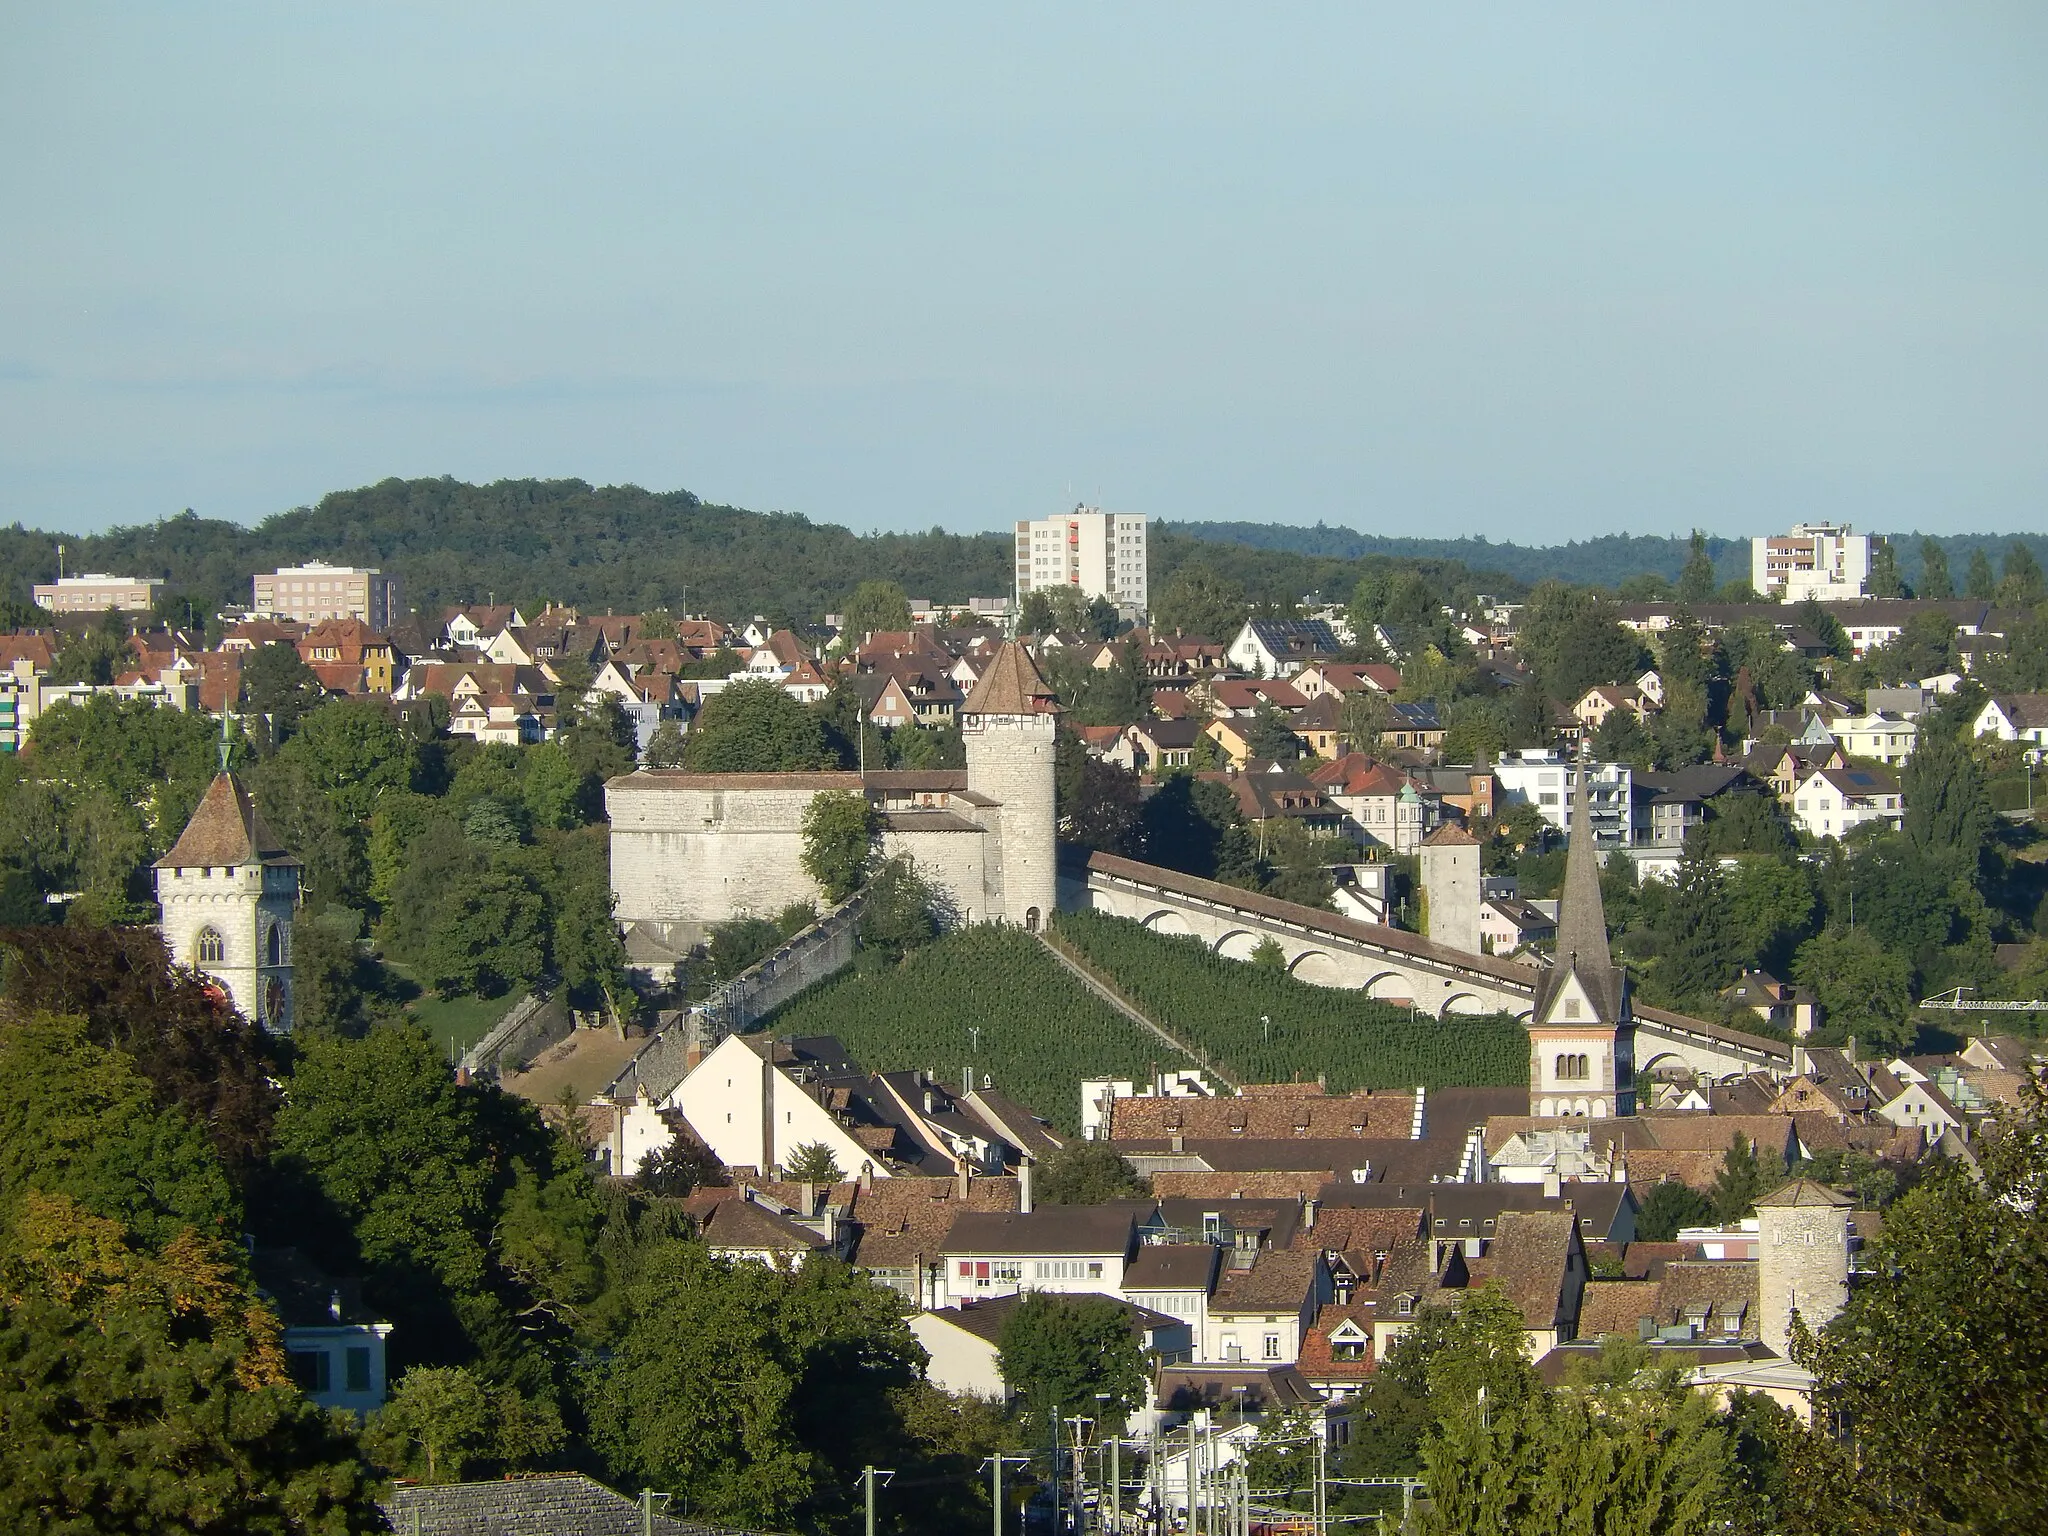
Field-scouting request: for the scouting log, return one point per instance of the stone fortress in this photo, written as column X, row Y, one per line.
column 689, row 850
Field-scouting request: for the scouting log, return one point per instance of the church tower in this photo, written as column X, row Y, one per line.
column 1581, row 1033
column 228, row 891
column 1010, row 725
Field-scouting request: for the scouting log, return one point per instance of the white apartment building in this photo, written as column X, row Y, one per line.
column 1547, row 780
column 97, row 592
column 316, row 590
column 1822, row 560
column 1097, row 553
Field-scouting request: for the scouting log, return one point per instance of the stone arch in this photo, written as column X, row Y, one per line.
column 1031, row 919
column 1166, row 920
column 1664, row 1059
column 1390, row 987
column 1237, row 944
column 1462, row 1002
column 1547, row 1108
column 1316, row 966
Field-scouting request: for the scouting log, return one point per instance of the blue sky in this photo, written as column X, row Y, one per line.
column 1531, row 272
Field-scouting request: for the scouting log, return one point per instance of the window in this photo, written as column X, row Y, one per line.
column 311, row 1370
column 277, row 948
column 1405, row 1306
column 358, row 1369
column 1272, row 1346
column 212, row 949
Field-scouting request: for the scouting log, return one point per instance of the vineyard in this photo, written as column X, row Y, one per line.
column 986, row 996
column 1263, row 1026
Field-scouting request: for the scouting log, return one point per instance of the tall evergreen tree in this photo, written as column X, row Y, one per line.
column 2023, row 586
column 1947, row 816
column 1701, row 947
column 1935, row 581
column 1885, row 580
column 1982, row 583
column 1696, row 581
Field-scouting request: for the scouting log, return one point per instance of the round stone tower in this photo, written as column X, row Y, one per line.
column 1802, row 1259
column 1010, row 724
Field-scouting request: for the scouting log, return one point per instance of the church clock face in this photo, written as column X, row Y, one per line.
column 273, row 1001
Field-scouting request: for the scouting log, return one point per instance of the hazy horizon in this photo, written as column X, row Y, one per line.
column 1532, row 276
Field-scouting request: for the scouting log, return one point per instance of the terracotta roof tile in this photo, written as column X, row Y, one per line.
column 225, row 831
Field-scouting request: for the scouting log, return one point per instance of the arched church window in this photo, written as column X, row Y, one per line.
column 277, row 944
column 210, row 948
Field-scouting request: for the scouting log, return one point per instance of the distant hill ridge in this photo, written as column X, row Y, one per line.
column 1605, row 561
column 628, row 549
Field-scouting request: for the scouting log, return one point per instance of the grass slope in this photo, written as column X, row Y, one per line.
column 1216, row 1005
column 1041, row 1031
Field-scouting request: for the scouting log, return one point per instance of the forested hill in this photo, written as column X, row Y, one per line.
column 1604, row 562
column 611, row 547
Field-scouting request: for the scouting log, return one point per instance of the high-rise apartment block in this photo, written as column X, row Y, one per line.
column 1093, row 552
column 97, row 593
column 317, row 590
column 1819, row 560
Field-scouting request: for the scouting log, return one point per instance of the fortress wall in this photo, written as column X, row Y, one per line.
column 955, row 862
column 706, row 856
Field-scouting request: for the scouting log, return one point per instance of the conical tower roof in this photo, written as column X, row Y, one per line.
column 226, row 831
column 1012, row 685
column 1582, row 919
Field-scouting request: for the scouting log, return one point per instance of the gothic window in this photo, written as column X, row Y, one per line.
column 210, row 948
column 273, row 944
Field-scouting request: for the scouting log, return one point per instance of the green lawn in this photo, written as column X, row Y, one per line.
column 460, row 1020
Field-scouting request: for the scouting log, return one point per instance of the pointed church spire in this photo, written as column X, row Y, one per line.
column 1581, row 917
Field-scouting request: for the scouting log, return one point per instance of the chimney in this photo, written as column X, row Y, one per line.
column 807, row 1200
column 1178, row 1142
column 1024, row 1195
column 1308, row 1214
column 334, row 1305
column 962, row 1179
column 1551, row 1188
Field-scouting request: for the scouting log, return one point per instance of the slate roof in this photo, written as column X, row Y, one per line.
column 556, row 1504
column 1527, row 1261
column 226, row 831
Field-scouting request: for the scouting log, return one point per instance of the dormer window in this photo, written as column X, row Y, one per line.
column 1405, row 1306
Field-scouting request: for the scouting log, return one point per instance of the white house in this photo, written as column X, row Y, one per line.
column 753, row 1114
column 1074, row 1250
column 2016, row 717
column 1831, row 802
column 1878, row 738
column 1546, row 780
column 1281, row 647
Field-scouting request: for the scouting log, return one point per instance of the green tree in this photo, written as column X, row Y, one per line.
column 1197, row 601
column 1696, row 582
column 876, row 607
column 802, row 1370
column 1183, row 821
column 1269, row 735
column 1981, row 584
column 145, row 1391
column 1770, row 906
column 1938, row 1359
column 490, row 937
column 1885, row 580
column 1934, row 578
column 1060, row 1354
column 756, row 727
column 551, row 789
column 1034, row 614
column 2022, row 585
column 354, row 752
column 279, row 686
column 1644, row 1459
column 1700, row 949
column 1670, row 1207
column 1863, row 989
column 1744, row 1174
column 841, row 831
column 1947, row 816
column 665, row 746
column 1087, row 1173
column 902, row 911
column 813, row 1163
column 77, row 1120
column 438, row 1420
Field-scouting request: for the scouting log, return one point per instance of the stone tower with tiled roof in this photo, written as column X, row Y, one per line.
column 1581, row 1029
column 228, row 889
column 1450, row 886
column 1009, row 724
column 1802, row 1249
